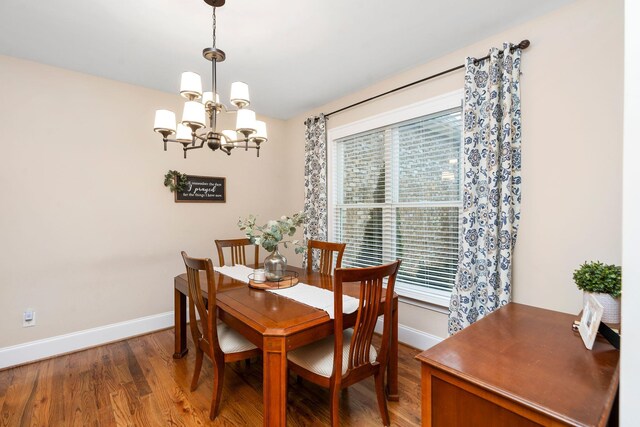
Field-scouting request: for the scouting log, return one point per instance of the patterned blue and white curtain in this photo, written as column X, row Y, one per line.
column 491, row 187
column 315, row 183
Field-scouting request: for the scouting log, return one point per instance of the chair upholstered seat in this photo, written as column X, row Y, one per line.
column 231, row 341
column 317, row 357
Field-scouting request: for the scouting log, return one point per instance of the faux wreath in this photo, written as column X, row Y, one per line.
column 175, row 181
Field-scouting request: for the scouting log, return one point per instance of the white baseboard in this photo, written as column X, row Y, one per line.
column 61, row 344
column 413, row 337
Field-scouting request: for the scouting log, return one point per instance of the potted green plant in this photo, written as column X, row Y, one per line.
column 269, row 236
column 605, row 283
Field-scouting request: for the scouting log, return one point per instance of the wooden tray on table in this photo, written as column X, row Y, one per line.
column 288, row 280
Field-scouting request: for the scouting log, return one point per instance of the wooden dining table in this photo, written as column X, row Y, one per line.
column 277, row 324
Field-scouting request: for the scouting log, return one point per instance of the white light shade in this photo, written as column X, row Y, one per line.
column 208, row 97
column 193, row 114
column 246, row 121
column 229, row 135
column 165, row 121
column 239, row 94
column 261, row 130
column 190, row 85
column 184, row 133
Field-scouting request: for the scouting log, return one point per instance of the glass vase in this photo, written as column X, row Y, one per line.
column 275, row 266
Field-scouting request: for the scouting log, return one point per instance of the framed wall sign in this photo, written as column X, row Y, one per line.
column 202, row 189
column 590, row 321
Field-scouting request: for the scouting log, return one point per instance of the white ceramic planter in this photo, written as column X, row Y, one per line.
column 611, row 305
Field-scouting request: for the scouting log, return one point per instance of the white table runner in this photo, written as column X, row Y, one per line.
column 317, row 297
column 239, row 272
column 306, row 294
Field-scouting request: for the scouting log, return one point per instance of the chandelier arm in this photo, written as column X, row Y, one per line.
column 194, row 147
column 201, row 137
column 186, row 147
column 246, row 145
column 243, row 143
column 184, row 143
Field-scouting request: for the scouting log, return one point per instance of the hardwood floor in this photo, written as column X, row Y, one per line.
column 137, row 382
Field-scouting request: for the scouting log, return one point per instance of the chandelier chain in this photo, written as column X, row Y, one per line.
column 213, row 32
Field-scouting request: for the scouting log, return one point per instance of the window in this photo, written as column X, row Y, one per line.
column 396, row 193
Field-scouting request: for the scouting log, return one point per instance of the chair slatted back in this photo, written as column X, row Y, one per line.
column 326, row 255
column 207, row 329
column 237, row 250
column 371, row 288
column 205, row 336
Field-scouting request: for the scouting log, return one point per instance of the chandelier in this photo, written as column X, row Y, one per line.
column 199, row 116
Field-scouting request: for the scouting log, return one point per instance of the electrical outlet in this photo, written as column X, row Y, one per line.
column 28, row 318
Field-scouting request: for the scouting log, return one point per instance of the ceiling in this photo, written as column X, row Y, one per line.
column 295, row 55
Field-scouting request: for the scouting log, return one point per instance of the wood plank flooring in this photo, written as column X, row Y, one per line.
column 136, row 382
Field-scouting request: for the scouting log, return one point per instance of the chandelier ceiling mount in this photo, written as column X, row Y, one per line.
column 215, row 3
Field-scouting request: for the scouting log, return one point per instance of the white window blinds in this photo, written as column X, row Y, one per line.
column 396, row 194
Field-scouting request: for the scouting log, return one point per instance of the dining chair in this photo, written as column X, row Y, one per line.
column 221, row 343
column 237, row 247
column 348, row 356
column 326, row 255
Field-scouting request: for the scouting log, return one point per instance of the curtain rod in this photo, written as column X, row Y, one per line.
column 522, row 45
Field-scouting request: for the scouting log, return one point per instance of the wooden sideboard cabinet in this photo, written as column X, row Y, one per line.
column 519, row 366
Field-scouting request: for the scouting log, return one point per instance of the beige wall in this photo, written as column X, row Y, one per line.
column 85, row 218
column 572, row 146
column 90, row 236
